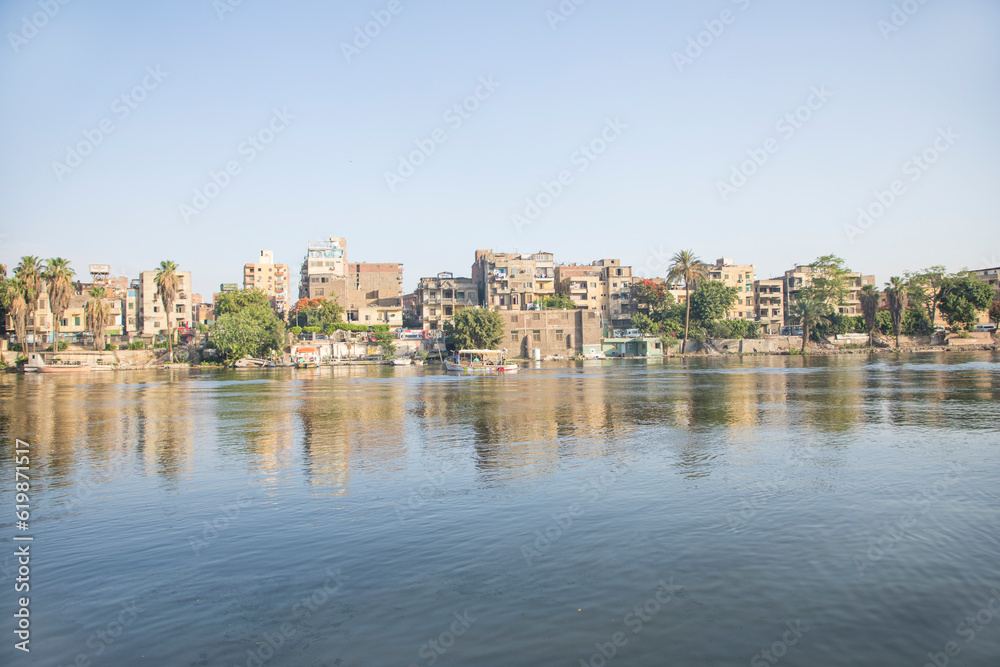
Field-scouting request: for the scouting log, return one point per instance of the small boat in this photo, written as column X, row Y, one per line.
column 36, row 364
column 306, row 357
column 400, row 362
column 480, row 362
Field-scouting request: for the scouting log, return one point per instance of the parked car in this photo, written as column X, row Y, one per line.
column 991, row 328
column 632, row 333
column 791, row 330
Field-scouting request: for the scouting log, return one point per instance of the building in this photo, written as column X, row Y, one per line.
column 513, row 281
column 769, row 298
column 152, row 320
column 369, row 293
column 740, row 276
column 802, row 276
column 324, row 261
column 270, row 278
column 992, row 278
column 562, row 332
column 604, row 285
column 439, row 299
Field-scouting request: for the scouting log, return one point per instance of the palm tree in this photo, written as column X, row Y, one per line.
column 58, row 277
column 685, row 266
column 97, row 311
column 869, row 308
column 811, row 312
column 12, row 298
column 29, row 277
column 167, row 282
column 895, row 295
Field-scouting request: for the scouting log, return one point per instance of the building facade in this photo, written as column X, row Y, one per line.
column 802, row 276
column 369, row 293
column 554, row 332
column 604, row 286
column 152, row 320
column 740, row 276
column 437, row 300
column 769, row 297
column 324, row 261
column 513, row 281
column 270, row 278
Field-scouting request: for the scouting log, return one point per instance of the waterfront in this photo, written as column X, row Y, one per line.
column 829, row 511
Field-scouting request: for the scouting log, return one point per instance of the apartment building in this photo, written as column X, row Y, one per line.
column 802, row 276
column 740, row 276
column 152, row 320
column 553, row 332
column 324, row 261
column 512, row 281
column 769, row 297
column 604, row 286
column 437, row 300
column 270, row 278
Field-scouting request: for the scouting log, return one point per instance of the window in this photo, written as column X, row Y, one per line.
column 76, row 321
column 131, row 306
column 460, row 296
column 156, row 325
column 435, row 312
column 447, row 310
column 179, row 308
column 513, row 336
column 536, row 335
column 559, row 332
column 319, row 291
column 447, row 294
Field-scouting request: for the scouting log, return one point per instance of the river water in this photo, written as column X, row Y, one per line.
column 754, row 511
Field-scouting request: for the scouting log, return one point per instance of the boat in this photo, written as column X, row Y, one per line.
column 36, row 364
column 480, row 362
column 400, row 362
column 306, row 357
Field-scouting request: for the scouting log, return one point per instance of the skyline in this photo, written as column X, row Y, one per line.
column 424, row 142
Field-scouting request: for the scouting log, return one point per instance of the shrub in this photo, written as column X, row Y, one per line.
column 136, row 345
column 296, row 330
column 311, row 330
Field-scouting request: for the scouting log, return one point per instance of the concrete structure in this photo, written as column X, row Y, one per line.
column 512, row 281
column 324, row 261
column 992, row 278
column 604, row 285
column 369, row 293
column 438, row 300
column 270, row 278
column 554, row 332
column 152, row 320
column 632, row 347
column 802, row 276
column 740, row 276
column 769, row 298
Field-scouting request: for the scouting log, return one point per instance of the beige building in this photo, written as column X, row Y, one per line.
column 437, row 300
column 802, row 276
column 369, row 293
column 740, row 276
column 324, row 261
column 604, row 285
column 992, row 278
column 272, row 279
column 769, row 297
column 512, row 281
column 152, row 320
column 564, row 332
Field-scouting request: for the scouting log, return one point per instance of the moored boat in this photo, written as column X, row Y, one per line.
column 480, row 362
column 306, row 357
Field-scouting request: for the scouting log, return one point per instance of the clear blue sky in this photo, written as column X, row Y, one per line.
column 655, row 187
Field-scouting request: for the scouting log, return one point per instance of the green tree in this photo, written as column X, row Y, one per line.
column 895, row 296
column 915, row 322
column 167, row 282
column 97, row 312
column 711, row 300
column 323, row 312
column 924, row 289
column 12, row 298
column 237, row 335
column 474, row 329
column 830, row 283
column 810, row 312
column 869, row 298
column 685, row 266
column 28, row 273
column 58, row 281
column 556, row 302
column 652, row 297
column 644, row 324
column 995, row 313
column 253, row 299
column 962, row 297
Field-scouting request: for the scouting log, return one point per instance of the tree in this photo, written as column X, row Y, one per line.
column 711, row 300
column 6, row 289
column 58, row 279
column 556, row 302
column 869, row 307
column 13, row 300
column 895, row 296
column 685, row 266
column 321, row 312
column 810, row 312
column 652, row 296
column 995, row 313
column 962, row 297
column 97, row 313
column 167, row 282
column 644, row 324
column 829, row 283
column 29, row 279
column 246, row 299
column 474, row 329
column 924, row 289
column 247, row 333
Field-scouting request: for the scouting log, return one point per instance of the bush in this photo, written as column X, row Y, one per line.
column 734, row 329
column 15, row 347
column 915, row 323
column 108, row 347
column 136, row 345
column 296, row 330
column 62, row 347
column 311, row 330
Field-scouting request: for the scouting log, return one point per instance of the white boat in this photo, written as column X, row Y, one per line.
column 306, row 357
column 480, row 362
column 400, row 362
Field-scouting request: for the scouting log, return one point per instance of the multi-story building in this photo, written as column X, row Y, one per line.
column 512, row 281
column 324, row 261
column 802, row 276
column 564, row 332
column 992, row 278
column 604, row 285
column 439, row 299
column 769, row 297
column 270, row 278
column 152, row 320
column 740, row 276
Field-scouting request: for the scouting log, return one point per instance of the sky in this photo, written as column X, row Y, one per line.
column 771, row 132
